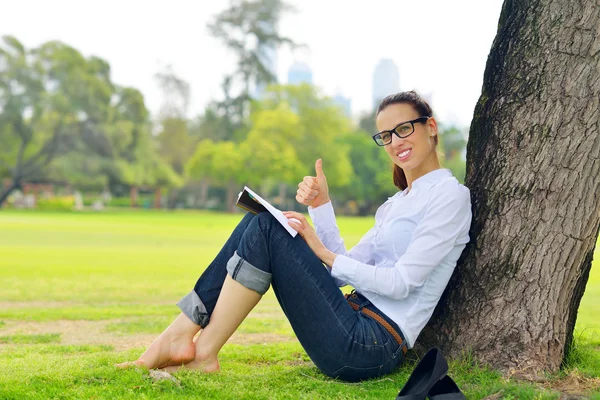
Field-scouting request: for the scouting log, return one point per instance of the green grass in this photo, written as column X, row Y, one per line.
column 30, row 339
column 81, row 292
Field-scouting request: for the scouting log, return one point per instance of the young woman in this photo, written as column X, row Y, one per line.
column 399, row 269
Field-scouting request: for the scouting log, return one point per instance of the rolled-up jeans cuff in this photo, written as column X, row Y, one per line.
column 248, row 275
column 192, row 306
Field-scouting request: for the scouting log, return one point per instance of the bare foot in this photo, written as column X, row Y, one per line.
column 203, row 361
column 165, row 351
column 208, row 366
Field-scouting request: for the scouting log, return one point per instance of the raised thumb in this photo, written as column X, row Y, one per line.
column 319, row 169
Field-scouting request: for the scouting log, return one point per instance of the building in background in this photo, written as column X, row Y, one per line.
column 344, row 103
column 386, row 80
column 299, row 73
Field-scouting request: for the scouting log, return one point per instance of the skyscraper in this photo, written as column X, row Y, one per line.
column 299, row 73
column 386, row 80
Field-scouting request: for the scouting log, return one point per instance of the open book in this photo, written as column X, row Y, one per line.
column 250, row 201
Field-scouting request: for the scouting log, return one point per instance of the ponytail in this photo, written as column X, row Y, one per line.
column 399, row 178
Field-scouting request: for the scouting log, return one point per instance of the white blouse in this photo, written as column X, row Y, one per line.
column 403, row 264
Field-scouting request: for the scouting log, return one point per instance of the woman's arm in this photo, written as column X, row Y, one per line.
column 445, row 222
column 323, row 218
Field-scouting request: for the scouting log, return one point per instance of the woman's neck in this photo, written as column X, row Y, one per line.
column 423, row 169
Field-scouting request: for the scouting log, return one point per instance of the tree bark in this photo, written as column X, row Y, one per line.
column 533, row 168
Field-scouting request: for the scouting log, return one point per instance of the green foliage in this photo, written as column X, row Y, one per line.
column 64, row 120
column 211, row 125
column 174, row 143
column 56, row 203
column 452, row 146
column 373, row 169
column 142, row 200
column 269, row 152
column 320, row 123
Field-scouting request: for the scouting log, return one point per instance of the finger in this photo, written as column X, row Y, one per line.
column 308, row 193
column 294, row 214
column 311, row 182
column 302, row 200
column 297, row 227
column 306, row 190
column 319, row 169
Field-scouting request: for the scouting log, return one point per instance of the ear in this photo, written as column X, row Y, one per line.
column 432, row 125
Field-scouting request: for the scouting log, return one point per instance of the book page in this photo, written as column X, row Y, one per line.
column 275, row 212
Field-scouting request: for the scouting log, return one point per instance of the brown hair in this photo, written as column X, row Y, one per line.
column 421, row 107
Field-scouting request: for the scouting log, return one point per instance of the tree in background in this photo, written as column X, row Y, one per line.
column 248, row 28
column 372, row 181
column 533, row 167
column 270, row 156
column 173, row 141
column 452, row 145
column 63, row 120
column 200, row 167
column 49, row 98
column 321, row 123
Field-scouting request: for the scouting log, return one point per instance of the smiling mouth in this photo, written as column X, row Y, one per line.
column 404, row 155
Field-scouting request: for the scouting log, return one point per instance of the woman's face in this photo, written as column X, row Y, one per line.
column 414, row 151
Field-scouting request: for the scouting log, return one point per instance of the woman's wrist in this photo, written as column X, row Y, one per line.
column 320, row 203
column 328, row 257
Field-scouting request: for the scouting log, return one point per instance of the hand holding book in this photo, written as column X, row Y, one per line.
column 300, row 224
column 250, row 201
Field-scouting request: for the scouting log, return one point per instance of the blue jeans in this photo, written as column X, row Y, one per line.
column 343, row 343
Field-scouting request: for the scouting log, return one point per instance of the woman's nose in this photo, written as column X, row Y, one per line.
column 396, row 140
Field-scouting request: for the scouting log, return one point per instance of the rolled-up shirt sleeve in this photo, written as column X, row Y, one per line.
column 444, row 226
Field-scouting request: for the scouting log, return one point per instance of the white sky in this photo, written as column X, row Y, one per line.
column 440, row 46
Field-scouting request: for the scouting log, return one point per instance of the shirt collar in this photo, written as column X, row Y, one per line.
column 431, row 178
column 426, row 181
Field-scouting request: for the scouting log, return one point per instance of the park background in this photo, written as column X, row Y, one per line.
column 112, row 204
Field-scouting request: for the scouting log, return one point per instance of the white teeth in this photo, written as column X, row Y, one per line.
column 404, row 153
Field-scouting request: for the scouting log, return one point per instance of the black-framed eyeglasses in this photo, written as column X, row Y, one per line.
column 402, row 130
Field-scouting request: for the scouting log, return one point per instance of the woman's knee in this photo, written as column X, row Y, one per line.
column 265, row 218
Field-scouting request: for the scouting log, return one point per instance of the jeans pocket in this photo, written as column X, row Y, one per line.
column 366, row 332
column 393, row 349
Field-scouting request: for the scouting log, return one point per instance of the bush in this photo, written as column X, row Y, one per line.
column 57, row 203
column 146, row 201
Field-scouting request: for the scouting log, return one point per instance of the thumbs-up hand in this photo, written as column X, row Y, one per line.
column 313, row 190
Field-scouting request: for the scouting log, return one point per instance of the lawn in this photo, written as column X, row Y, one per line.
column 82, row 291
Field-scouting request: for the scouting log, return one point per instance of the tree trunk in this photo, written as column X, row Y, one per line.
column 533, row 167
column 232, row 192
column 157, row 198
column 282, row 196
column 133, row 194
column 203, row 192
column 6, row 191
